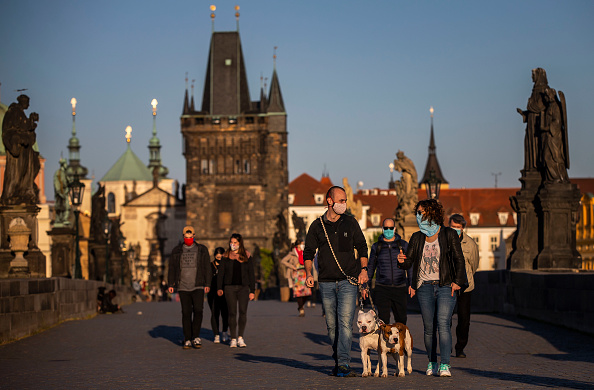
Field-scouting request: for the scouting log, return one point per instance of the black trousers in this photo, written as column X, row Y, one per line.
column 463, row 321
column 192, row 303
column 218, row 308
column 237, row 301
column 391, row 298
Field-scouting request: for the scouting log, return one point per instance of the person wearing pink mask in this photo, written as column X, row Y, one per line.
column 236, row 274
column 295, row 274
column 190, row 273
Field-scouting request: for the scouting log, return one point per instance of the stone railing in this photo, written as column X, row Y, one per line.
column 30, row 305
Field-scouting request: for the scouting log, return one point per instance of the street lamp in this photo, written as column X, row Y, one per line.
column 107, row 229
column 391, row 185
column 432, row 185
column 77, row 191
column 123, row 256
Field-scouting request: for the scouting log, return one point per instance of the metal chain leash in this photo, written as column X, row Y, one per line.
column 349, row 278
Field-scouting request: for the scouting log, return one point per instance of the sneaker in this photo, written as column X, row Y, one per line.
column 334, row 371
column 197, row 343
column 225, row 337
column 187, row 344
column 301, row 313
column 345, row 371
column 241, row 343
column 233, row 343
column 444, row 370
column 432, row 369
column 308, row 304
column 217, row 339
column 313, row 304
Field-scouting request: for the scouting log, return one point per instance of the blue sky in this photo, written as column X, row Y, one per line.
column 357, row 78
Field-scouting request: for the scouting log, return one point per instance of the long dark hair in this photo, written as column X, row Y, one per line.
column 241, row 252
column 433, row 210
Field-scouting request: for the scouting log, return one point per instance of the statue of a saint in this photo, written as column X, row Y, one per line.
column 299, row 226
column 406, row 189
column 98, row 214
column 533, row 117
column 554, row 153
column 22, row 162
column 355, row 207
column 61, row 190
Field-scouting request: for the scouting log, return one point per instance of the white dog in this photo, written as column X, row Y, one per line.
column 395, row 338
column 369, row 336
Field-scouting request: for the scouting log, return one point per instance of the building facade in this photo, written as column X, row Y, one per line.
column 236, row 153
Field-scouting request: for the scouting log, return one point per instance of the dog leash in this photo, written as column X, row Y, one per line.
column 378, row 320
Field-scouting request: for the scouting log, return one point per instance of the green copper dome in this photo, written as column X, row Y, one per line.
column 128, row 167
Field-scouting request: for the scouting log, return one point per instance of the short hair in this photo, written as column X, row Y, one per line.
column 459, row 219
column 433, row 210
column 391, row 219
column 331, row 191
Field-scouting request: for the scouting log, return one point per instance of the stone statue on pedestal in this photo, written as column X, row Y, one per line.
column 356, row 207
column 61, row 191
column 554, row 154
column 22, row 162
column 299, row 226
column 406, row 190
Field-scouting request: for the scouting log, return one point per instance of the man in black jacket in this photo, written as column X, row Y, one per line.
column 190, row 273
column 339, row 272
column 392, row 284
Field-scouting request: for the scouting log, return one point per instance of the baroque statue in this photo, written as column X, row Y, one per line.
column 406, row 189
column 555, row 148
column 356, row 207
column 61, row 190
column 22, row 162
column 98, row 214
column 299, row 226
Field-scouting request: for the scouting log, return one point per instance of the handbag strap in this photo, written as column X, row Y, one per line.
column 349, row 278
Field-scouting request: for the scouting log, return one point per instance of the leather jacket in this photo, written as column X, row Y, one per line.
column 452, row 267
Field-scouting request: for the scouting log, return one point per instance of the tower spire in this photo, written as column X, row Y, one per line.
column 192, row 101
column 186, row 109
column 432, row 166
column 275, row 97
column 155, row 147
column 213, row 8
column 74, row 169
column 237, row 16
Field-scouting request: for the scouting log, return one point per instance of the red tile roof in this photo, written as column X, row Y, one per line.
column 304, row 187
column 586, row 185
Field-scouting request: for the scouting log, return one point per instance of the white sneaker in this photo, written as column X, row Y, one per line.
column 188, row 344
column 308, row 304
column 444, row 370
column 217, row 339
column 240, row 342
column 225, row 337
column 197, row 343
column 432, row 369
column 233, row 343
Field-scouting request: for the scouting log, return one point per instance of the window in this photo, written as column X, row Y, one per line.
column 225, row 210
column 204, row 166
column 474, row 218
column 111, row 203
column 291, row 198
column 375, row 219
column 503, row 217
column 494, row 243
column 319, row 198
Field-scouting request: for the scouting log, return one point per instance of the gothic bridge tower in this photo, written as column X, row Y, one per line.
column 236, row 153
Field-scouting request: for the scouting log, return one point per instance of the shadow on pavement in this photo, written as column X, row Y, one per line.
column 284, row 362
column 530, row 379
column 320, row 339
column 171, row 333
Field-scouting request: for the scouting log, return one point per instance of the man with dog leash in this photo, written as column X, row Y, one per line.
column 335, row 236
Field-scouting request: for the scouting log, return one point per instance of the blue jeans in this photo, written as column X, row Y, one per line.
column 340, row 300
column 437, row 306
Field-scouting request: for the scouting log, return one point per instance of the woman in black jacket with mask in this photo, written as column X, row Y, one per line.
column 438, row 273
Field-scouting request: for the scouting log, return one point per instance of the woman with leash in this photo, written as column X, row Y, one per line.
column 439, row 272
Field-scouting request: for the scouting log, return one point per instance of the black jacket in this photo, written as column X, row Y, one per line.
column 225, row 276
column 452, row 267
column 388, row 273
column 204, row 271
column 345, row 235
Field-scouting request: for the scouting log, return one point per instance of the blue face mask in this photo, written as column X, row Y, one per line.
column 459, row 231
column 427, row 228
column 388, row 234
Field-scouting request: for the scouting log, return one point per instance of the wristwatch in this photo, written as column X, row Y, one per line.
column 364, row 268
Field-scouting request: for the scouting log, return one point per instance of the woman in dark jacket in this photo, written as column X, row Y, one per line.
column 236, row 273
column 438, row 273
column 217, row 304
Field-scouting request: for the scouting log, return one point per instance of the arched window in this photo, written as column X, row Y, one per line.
column 111, row 203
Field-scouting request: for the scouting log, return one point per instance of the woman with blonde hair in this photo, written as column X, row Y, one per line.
column 238, row 283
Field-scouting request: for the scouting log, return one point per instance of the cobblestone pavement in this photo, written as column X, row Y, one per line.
column 142, row 349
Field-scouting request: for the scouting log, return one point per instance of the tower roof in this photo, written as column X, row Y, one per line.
column 275, row 97
column 226, row 71
column 128, row 167
column 432, row 163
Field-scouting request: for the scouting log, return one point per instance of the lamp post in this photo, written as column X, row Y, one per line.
column 107, row 229
column 123, row 255
column 392, row 185
column 77, row 191
column 432, row 185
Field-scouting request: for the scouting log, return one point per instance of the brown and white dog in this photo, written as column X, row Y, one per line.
column 395, row 338
column 368, row 338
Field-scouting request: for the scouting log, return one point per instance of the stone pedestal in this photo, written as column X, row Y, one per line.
column 525, row 244
column 35, row 259
column 410, row 226
column 63, row 246
column 559, row 205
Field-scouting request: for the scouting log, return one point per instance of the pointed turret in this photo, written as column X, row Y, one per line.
column 432, row 163
column 155, row 147
column 186, row 109
column 275, row 97
column 74, row 169
column 192, row 107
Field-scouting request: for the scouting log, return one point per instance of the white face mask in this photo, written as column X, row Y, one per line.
column 234, row 247
column 339, row 208
column 302, row 246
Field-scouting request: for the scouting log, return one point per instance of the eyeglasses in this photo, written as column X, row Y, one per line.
column 389, row 228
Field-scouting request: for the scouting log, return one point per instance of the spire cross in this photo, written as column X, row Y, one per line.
column 237, row 16
column 274, row 57
column 128, row 134
column 213, row 8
